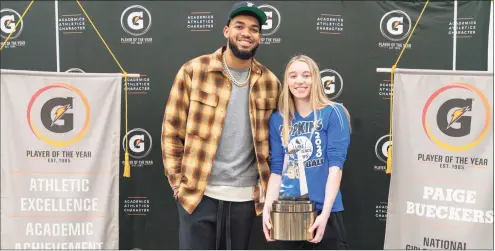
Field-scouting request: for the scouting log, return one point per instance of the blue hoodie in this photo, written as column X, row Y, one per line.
column 322, row 148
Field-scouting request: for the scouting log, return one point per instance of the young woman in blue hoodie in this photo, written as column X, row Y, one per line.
column 309, row 137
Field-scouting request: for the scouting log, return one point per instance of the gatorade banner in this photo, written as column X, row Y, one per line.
column 441, row 191
column 60, row 160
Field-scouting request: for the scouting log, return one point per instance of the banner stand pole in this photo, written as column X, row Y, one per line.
column 26, row 72
column 388, row 70
column 432, row 71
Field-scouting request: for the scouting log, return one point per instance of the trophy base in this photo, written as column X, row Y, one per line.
column 292, row 219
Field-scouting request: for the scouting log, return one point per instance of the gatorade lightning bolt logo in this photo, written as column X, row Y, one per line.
column 273, row 19
column 140, row 143
column 135, row 20
column 395, row 25
column 332, row 82
column 460, row 123
column 9, row 18
column 327, row 84
column 58, row 114
column 457, row 114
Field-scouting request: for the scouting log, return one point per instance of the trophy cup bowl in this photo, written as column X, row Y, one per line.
column 291, row 220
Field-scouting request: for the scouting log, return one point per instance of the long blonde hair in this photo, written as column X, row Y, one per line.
column 318, row 98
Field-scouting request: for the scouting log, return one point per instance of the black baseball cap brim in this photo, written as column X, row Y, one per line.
column 259, row 13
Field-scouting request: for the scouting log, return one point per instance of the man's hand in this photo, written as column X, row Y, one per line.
column 319, row 224
column 256, row 194
column 176, row 192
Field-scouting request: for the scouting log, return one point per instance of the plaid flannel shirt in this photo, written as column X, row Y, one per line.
column 194, row 118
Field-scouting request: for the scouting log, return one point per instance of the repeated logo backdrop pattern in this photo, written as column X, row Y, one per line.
column 348, row 39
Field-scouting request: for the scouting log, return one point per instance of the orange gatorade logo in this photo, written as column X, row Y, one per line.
column 457, row 117
column 59, row 114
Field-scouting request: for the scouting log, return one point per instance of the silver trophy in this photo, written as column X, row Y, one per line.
column 292, row 216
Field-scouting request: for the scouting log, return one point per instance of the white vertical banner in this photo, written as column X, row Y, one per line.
column 441, row 190
column 60, row 135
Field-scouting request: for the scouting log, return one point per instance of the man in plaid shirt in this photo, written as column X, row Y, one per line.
column 215, row 137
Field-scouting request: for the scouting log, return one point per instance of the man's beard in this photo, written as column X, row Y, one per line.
column 244, row 55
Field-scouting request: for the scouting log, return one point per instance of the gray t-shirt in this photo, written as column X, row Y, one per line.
column 235, row 161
